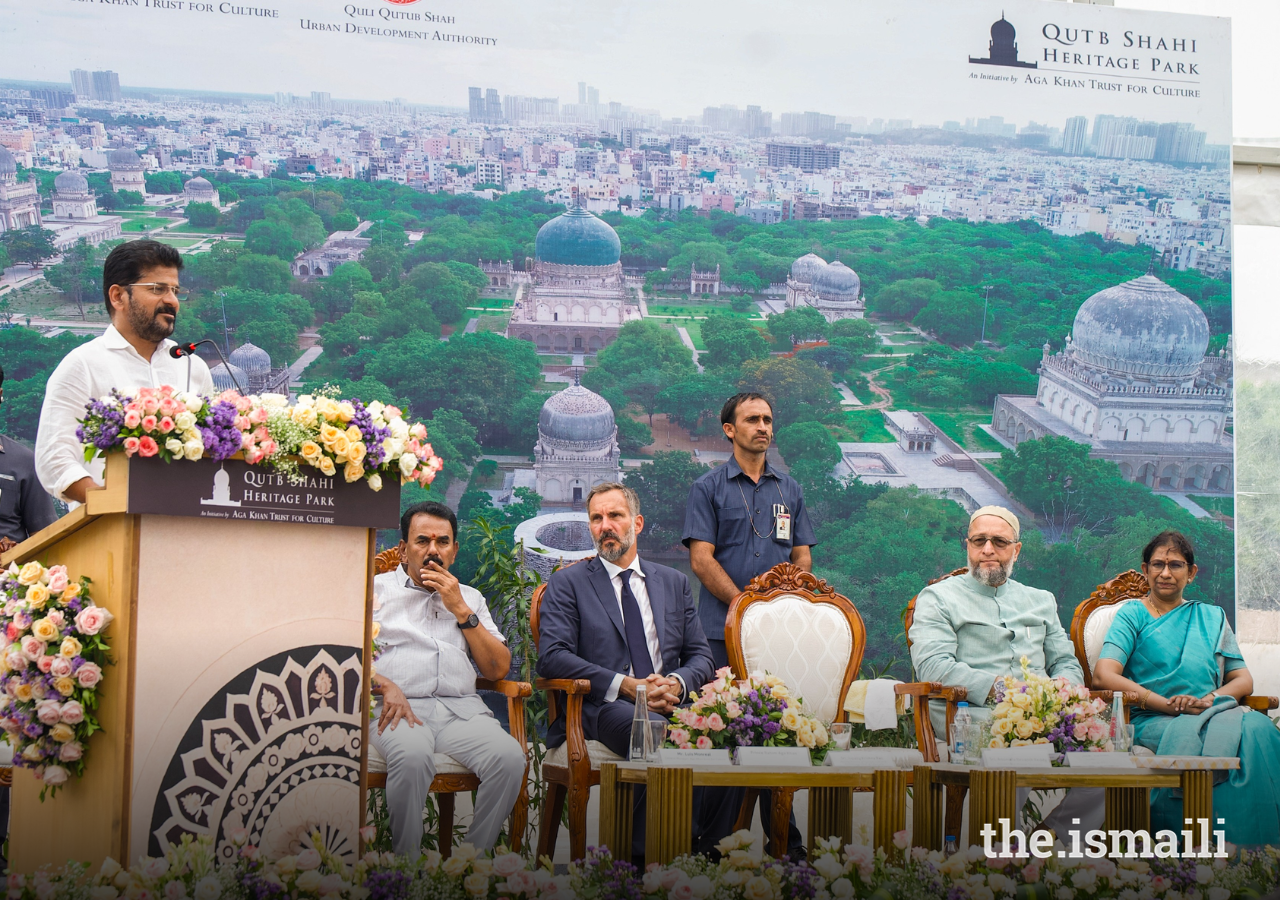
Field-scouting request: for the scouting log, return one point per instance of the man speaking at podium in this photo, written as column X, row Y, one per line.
column 142, row 293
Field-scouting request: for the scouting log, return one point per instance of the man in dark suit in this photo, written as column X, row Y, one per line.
column 619, row 622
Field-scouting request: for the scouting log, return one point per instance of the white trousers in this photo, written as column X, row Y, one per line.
column 479, row 743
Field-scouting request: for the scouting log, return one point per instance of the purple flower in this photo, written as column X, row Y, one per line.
column 221, row 437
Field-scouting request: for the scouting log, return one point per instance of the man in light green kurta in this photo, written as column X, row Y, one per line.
column 971, row 629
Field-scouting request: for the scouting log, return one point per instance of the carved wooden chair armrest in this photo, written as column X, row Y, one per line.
column 1260, row 703
column 575, row 738
column 516, row 693
column 921, row 690
column 950, row 694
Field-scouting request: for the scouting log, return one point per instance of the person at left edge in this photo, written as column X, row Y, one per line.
column 143, row 296
column 435, row 633
column 24, row 507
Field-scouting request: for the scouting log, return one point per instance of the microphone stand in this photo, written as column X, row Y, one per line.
column 188, row 349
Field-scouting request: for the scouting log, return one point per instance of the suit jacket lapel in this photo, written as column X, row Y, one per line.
column 604, row 593
column 657, row 604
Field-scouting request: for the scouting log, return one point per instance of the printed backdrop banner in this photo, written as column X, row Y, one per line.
column 975, row 253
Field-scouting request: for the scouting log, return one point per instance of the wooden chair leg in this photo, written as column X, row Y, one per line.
column 520, row 815
column 747, row 810
column 549, row 825
column 578, row 797
column 444, row 838
column 780, row 821
column 955, row 812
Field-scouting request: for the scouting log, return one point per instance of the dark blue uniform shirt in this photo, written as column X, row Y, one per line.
column 736, row 515
column 25, row 507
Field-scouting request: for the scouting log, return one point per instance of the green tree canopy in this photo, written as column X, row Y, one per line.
column 800, row 390
column 663, row 486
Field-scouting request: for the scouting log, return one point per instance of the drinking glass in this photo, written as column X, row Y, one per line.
column 973, row 744
column 841, row 733
column 1124, row 737
column 657, row 737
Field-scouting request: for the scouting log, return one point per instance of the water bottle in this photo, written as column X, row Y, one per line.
column 1118, row 733
column 960, row 732
column 640, row 739
column 951, row 846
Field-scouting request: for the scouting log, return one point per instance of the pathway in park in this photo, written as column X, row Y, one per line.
column 688, row 342
column 300, row 364
column 886, row 399
column 846, row 396
column 471, row 326
column 1189, row 505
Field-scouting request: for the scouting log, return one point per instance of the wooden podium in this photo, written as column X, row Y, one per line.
column 242, row 609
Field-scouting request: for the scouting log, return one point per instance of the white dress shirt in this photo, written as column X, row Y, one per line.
column 89, row 372
column 641, row 593
column 424, row 652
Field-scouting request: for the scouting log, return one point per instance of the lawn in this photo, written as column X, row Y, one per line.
column 695, row 332
column 188, row 228
column 142, row 224
column 695, row 310
column 496, row 324
column 863, row 426
column 962, row 427
column 492, row 303
column 179, row 243
column 1224, row 505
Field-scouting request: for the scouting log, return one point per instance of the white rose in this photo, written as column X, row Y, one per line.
column 399, row 429
column 193, row 449
column 476, row 885
column 184, row 420
column 274, row 400
column 408, row 462
column 842, row 887
column 375, row 482
column 308, row 881
column 375, row 408
column 758, row 888
column 455, row 866
column 208, row 888
column 174, row 446
column 193, row 402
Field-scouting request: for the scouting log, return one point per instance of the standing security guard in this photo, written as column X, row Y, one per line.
column 743, row 518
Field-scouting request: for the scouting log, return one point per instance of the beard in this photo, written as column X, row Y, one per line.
column 993, row 578
column 623, row 545
column 148, row 325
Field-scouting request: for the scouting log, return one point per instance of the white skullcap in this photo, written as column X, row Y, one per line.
column 1002, row 513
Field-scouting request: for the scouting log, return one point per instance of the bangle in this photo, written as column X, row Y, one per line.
column 1143, row 701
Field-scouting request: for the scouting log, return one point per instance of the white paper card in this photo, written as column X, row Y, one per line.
column 774, row 757
column 865, row 759
column 693, row 758
column 1101, row 761
column 1000, row 757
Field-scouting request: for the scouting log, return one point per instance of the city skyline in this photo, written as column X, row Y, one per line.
column 906, row 66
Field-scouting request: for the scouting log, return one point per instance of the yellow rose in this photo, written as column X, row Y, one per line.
column 377, row 629
column 304, row 416
column 37, row 595
column 23, row 693
column 356, row 452
column 310, row 451
column 780, row 691
column 476, row 885
column 1017, row 742
column 327, row 466
column 44, row 629
column 328, row 433
column 455, row 866
column 70, row 648
column 30, row 573
column 66, row 686
column 1024, row 730
column 1022, row 701
column 758, row 888
column 1002, row 708
column 805, row 737
column 997, row 743
column 790, row 719
column 1000, row 727
column 339, row 446
column 62, row 732
column 73, row 590
column 346, row 412
column 353, row 471
column 353, row 433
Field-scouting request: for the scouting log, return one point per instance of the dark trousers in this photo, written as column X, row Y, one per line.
column 714, row 812
column 795, row 843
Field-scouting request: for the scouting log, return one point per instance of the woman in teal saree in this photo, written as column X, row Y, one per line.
column 1181, row 658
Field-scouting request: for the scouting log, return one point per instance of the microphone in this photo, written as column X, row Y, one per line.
column 178, row 351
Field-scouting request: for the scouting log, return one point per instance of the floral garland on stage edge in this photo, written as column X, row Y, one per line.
column 758, row 712
column 51, row 670
column 1041, row 710
column 190, row 870
column 361, row 440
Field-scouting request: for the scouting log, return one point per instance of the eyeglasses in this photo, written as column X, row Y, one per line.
column 978, row 542
column 1174, row 567
column 158, row 290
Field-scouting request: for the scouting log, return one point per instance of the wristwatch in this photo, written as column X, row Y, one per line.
column 471, row 622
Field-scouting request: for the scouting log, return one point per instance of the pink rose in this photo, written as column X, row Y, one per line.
column 249, row 852
column 1080, row 730
column 998, row 862
column 669, row 878
column 167, row 425
column 72, row 712
column 45, row 664
column 150, row 423
column 686, row 746
column 134, row 406
column 519, row 883
column 261, row 434
column 246, row 441
column 132, row 419
column 88, row 675
column 704, row 743
column 1031, row 873
column 12, row 632
column 48, row 712
column 715, row 723
column 130, row 446
column 169, row 407
column 57, row 618
column 682, row 891
column 733, row 710
column 243, row 404
column 700, row 723
column 71, row 751
column 367, row 833
column 269, row 447
column 53, row 775
column 92, row 619
column 22, row 620
column 32, row 649
column 308, row 859
column 242, row 423
column 679, row 736
column 155, row 868
column 59, row 666
column 258, row 416
column 253, row 454
column 16, row 661
column 147, row 446
column 151, row 405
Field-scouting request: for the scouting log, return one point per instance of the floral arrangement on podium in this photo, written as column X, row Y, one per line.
column 758, row 712
column 1037, row 709
column 192, row 870
column 51, row 669
column 333, row 435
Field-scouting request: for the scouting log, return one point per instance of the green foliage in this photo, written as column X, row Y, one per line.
column 27, row 245
column 272, row 239
column 454, row 440
column 796, row 325
column 79, row 275
column 632, row 435
column 954, row 316
column 731, row 341
column 336, row 292
column 663, row 486
column 799, row 389
column 688, row 401
column 856, row 336
column 277, row 336
column 344, row 221
column 203, row 215
column 942, row 377
column 130, row 198
column 163, row 183
column 28, row 358
column 437, row 288
column 808, row 443
column 905, row 297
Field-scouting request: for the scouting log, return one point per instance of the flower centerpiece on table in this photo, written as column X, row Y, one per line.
column 1037, row 709
column 362, row 441
column 758, row 712
column 51, row 669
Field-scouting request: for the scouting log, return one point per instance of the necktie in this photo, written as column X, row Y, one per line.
column 637, row 643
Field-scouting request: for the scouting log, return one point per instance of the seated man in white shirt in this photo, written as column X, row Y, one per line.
column 141, row 289
column 432, row 629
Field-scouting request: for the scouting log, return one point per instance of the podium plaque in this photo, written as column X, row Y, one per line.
column 236, row 698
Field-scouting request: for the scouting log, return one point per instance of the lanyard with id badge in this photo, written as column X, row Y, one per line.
column 781, row 516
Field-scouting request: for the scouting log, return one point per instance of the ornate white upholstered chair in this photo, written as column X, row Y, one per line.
column 790, row 623
column 451, row 776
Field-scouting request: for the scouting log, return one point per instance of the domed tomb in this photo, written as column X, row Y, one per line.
column 71, row 184
column 577, row 238
column 8, row 165
column 124, row 160
column 807, row 267
column 1141, row 327
column 837, row 282
column 222, row 379
column 577, row 445
column 577, row 415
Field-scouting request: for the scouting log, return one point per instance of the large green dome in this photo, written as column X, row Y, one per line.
column 578, row 238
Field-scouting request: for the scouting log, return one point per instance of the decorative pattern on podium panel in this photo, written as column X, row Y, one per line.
column 277, row 752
